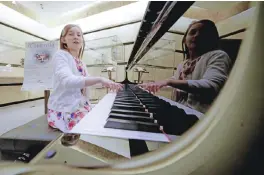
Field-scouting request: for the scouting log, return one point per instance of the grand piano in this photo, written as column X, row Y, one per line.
column 132, row 110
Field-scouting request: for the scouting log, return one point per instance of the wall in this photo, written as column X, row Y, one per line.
column 14, row 41
column 10, row 87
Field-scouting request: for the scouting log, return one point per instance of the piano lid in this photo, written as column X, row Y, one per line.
column 158, row 19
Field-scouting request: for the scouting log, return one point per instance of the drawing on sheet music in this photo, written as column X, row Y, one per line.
column 38, row 65
column 42, row 57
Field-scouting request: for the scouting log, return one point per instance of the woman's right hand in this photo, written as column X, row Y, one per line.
column 110, row 84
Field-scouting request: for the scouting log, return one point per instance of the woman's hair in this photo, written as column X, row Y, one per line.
column 211, row 37
column 64, row 33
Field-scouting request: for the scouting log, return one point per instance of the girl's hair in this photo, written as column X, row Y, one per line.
column 64, row 33
column 211, row 39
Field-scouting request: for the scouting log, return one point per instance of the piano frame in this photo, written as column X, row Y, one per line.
column 227, row 123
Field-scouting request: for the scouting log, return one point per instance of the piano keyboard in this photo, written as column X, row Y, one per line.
column 112, row 113
column 137, row 110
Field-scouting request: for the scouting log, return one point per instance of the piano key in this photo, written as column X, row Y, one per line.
column 132, row 125
column 157, row 105
column 130, row 117
column 149, row 103
column 128, row 101
column 124, row 98
column 132, row 104
column 144, row 94
column 137, row 113
column 125, row 94
column 157, row 109
column 129, row 107
column 151, row 99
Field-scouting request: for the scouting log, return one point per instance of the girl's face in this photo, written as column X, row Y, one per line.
column 73, row 39
column 194, row 36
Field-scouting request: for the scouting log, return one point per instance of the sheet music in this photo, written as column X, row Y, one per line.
column 93, row 124
column 38, row 65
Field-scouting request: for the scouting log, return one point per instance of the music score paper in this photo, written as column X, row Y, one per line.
column 93, row 123
column 38, row 65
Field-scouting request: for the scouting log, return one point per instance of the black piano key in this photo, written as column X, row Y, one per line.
column 128, row 107
column 130, row 117
column 124, row 98
column 157, row 105
column 151, row 99
column 144, row 95
column 157, row 109
column 153, row 104
column 132, row 125
column 137, row 113
column 128, row 101
column 125, row 95
column 123, row 103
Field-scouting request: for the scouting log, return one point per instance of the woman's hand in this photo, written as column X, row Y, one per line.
column 155, row 86
column 110, row 84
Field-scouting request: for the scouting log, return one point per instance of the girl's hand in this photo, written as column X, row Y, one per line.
column 110, row 84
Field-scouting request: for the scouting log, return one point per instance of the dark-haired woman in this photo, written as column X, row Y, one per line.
column 204, row 70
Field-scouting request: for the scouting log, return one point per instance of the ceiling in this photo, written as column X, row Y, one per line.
column 47, row 18
column 44, row 11
column 54, row 13
column 47, row 9
column 215, row 5
column 53, row 7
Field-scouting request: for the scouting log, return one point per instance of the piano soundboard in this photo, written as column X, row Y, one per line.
column 133, row 113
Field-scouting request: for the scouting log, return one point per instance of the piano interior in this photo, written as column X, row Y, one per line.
column 156, row 51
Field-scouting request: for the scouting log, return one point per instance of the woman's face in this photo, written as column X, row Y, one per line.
column 195, row 36
column 74, row 38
